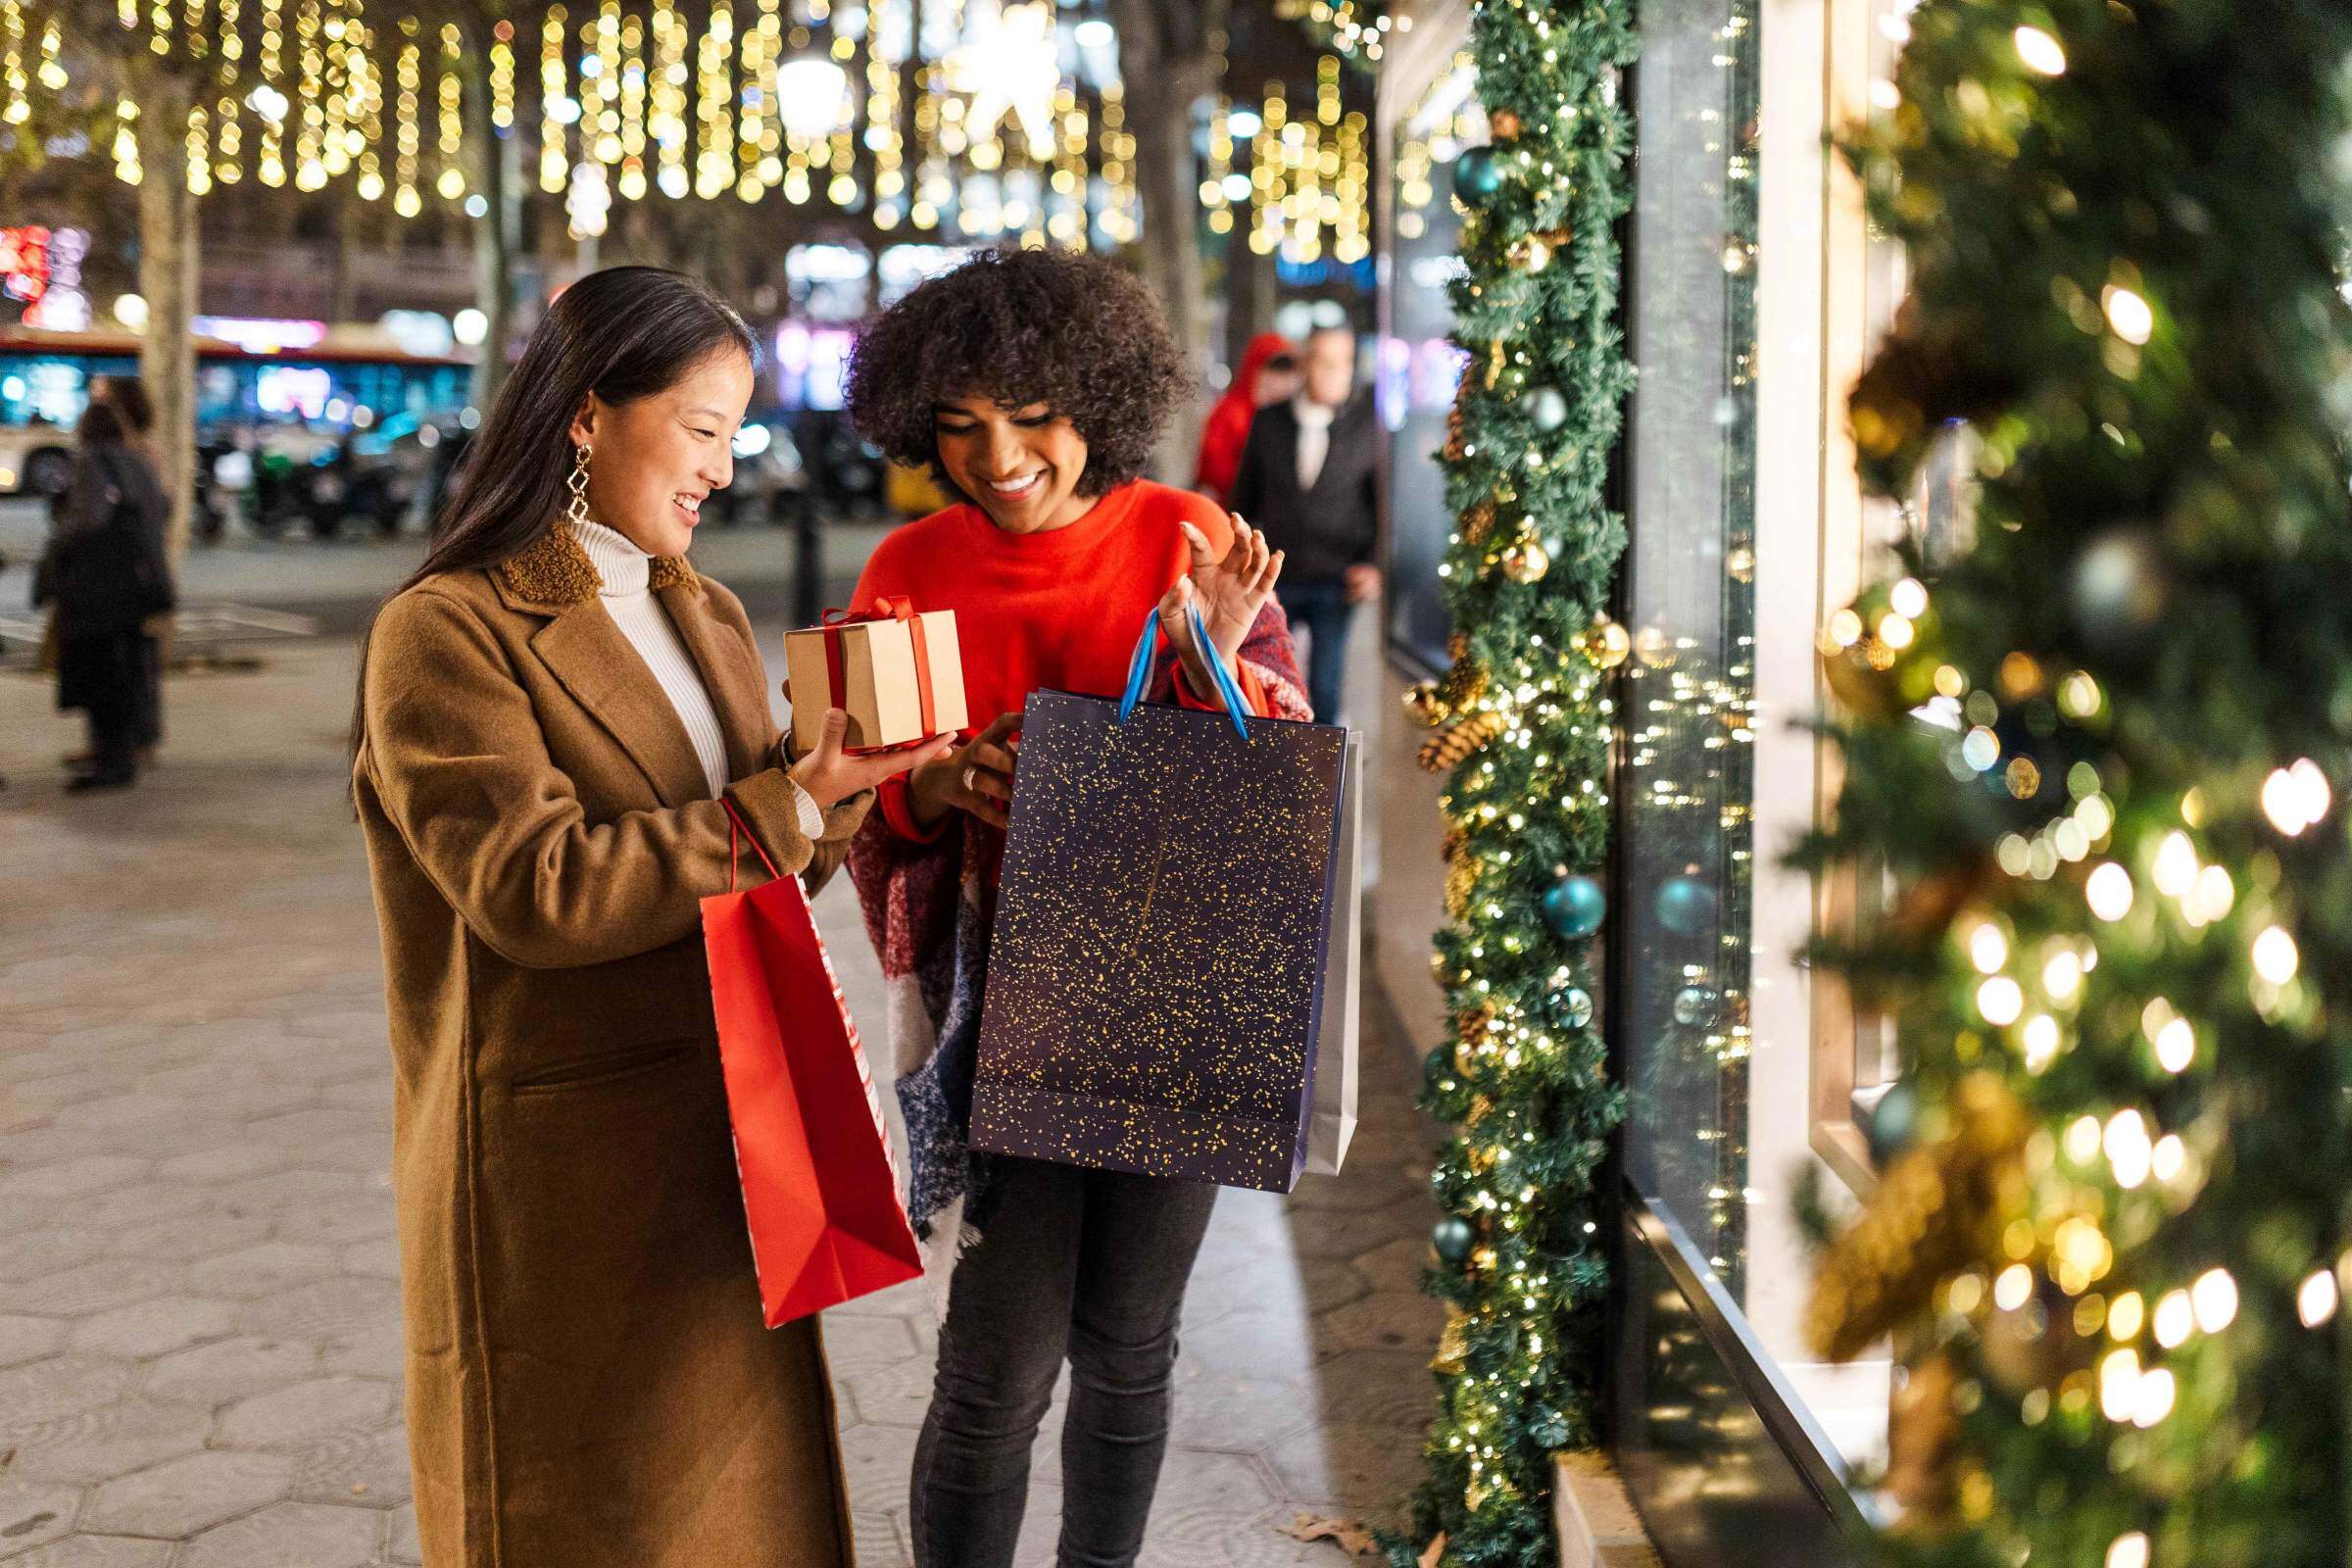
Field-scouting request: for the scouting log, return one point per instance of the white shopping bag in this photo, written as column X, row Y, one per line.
column 1333, row 1125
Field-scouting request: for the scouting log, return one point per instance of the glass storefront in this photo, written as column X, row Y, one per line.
column 1753, row 291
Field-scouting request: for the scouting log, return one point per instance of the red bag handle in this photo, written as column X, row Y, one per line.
column 736, row 824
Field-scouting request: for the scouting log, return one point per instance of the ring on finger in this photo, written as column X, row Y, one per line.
column 971, row 777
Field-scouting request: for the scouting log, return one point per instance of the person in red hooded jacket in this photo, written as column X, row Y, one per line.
column 1269, row 374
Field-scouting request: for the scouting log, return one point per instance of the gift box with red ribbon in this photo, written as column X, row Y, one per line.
column 896, row 671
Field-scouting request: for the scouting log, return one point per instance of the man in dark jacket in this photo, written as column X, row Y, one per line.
column 1307, row 478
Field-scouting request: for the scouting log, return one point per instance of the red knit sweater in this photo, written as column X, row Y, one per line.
column 1058, row 609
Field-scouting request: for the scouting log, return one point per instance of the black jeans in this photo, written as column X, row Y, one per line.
column 1324, row 609
column 1086, row 1264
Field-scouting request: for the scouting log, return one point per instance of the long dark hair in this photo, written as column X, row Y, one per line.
column 624, row 333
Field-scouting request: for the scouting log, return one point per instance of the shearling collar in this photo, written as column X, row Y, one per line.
column 554, row 572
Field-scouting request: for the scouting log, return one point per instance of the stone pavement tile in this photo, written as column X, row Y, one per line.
column 879, row 1545
column 1238, row 1414
column 401, row 1544
column 378, row 1258
column 181, row 1497
column 140, row 1203
column 856, row 1343
column 60, row 1386
column 877, row 1460
column 1398, row 1265
column 72, row 1178
column 111, row 1440
column 50, row 1251
column 899, row 1300
column 96, row 1551
column 147, row 1328
column 237, row 1162
column 230, row 1369
column 92, row 1288
column 331, row 1310
column 1367, row 1470
column 289, row 1535
column 190, row 1237
column 1258, row 1541
column 1378, row 1388
column 127, row 1113
column 28, row 1339
column 264, row 1269
column 369, row 1349
column 304, row 1414
column 368, row 1469
column 1387, row 1321
column 1201, row 1495
column 1041, row 1527
column 894, row 1395
column 1350, row 1233
column 33, row 1513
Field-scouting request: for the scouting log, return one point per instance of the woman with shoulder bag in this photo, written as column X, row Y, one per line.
column 561, row 731
column 105, row 576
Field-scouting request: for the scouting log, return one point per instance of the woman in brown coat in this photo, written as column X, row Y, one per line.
column 556, row 713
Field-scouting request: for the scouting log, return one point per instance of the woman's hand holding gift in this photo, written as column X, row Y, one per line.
column 976, row 777
column 831, row 775
column 1230, row 591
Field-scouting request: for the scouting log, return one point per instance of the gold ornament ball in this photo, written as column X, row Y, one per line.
column 1526, row 562
column 1606, row 642
column 1504, row 124
column 1654, row 648
column 1533, row 253
column 1422, row 703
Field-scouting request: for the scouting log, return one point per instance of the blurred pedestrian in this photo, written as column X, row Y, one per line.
column 127, row 396
column 1308, row 477
column 104, row 575
column 562, row 727
column 1268, row 373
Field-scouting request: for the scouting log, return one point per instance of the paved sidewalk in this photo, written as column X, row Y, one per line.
column 199, row 1329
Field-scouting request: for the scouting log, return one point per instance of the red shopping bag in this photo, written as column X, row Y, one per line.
column 820, row 1186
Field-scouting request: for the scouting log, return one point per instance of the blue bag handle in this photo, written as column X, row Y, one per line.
column 1139, row 673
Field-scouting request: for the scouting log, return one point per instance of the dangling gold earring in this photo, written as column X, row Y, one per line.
column 575, row 511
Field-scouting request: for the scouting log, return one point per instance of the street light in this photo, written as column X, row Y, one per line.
column 808, row 96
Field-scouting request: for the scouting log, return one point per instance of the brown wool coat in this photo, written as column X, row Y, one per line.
column 589, row 1385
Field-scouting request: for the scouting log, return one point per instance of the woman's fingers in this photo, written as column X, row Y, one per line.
column 1203, row 556
column 1268, row 575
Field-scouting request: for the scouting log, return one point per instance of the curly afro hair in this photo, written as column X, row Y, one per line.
column 1069, row 331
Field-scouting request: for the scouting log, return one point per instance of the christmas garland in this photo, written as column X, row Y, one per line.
column 2099, row 750
column 1523, row 724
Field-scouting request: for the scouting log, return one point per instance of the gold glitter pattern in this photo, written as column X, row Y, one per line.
column 1153, row 989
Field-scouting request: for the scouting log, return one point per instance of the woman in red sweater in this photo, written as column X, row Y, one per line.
column 1033, row 384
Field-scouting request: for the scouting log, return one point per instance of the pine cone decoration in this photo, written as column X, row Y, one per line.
column 1939, row 1210
column 1460, row 877
column 1457, row 739
column 1478, row 523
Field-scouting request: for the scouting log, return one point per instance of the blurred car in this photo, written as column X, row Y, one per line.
column 35, row 460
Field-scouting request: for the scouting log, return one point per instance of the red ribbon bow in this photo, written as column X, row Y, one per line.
column 887, row 607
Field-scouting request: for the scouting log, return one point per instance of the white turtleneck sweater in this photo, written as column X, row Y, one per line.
column 626, row 572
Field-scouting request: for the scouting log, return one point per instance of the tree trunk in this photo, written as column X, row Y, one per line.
column 1248, row 294
column 1164, row 62
column 170, row 258
column 497, row 178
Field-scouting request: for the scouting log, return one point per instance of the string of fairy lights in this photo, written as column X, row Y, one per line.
column 967, row 120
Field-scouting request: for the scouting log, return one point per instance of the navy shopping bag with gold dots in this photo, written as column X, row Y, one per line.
column 1156, row 971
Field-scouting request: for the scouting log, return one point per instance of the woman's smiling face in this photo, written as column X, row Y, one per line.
column 1020, row 463
column 654, row 462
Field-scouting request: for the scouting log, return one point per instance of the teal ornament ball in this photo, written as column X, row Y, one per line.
column 1548, row 408
column 1574, row 908
column 1453, row 1237
column 1686, row 904
column 1476, row 175
column 1893, row 1123
column 1571, row 1007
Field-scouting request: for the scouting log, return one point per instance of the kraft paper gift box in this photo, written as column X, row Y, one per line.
column 896, row 671
column 1158, row 970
